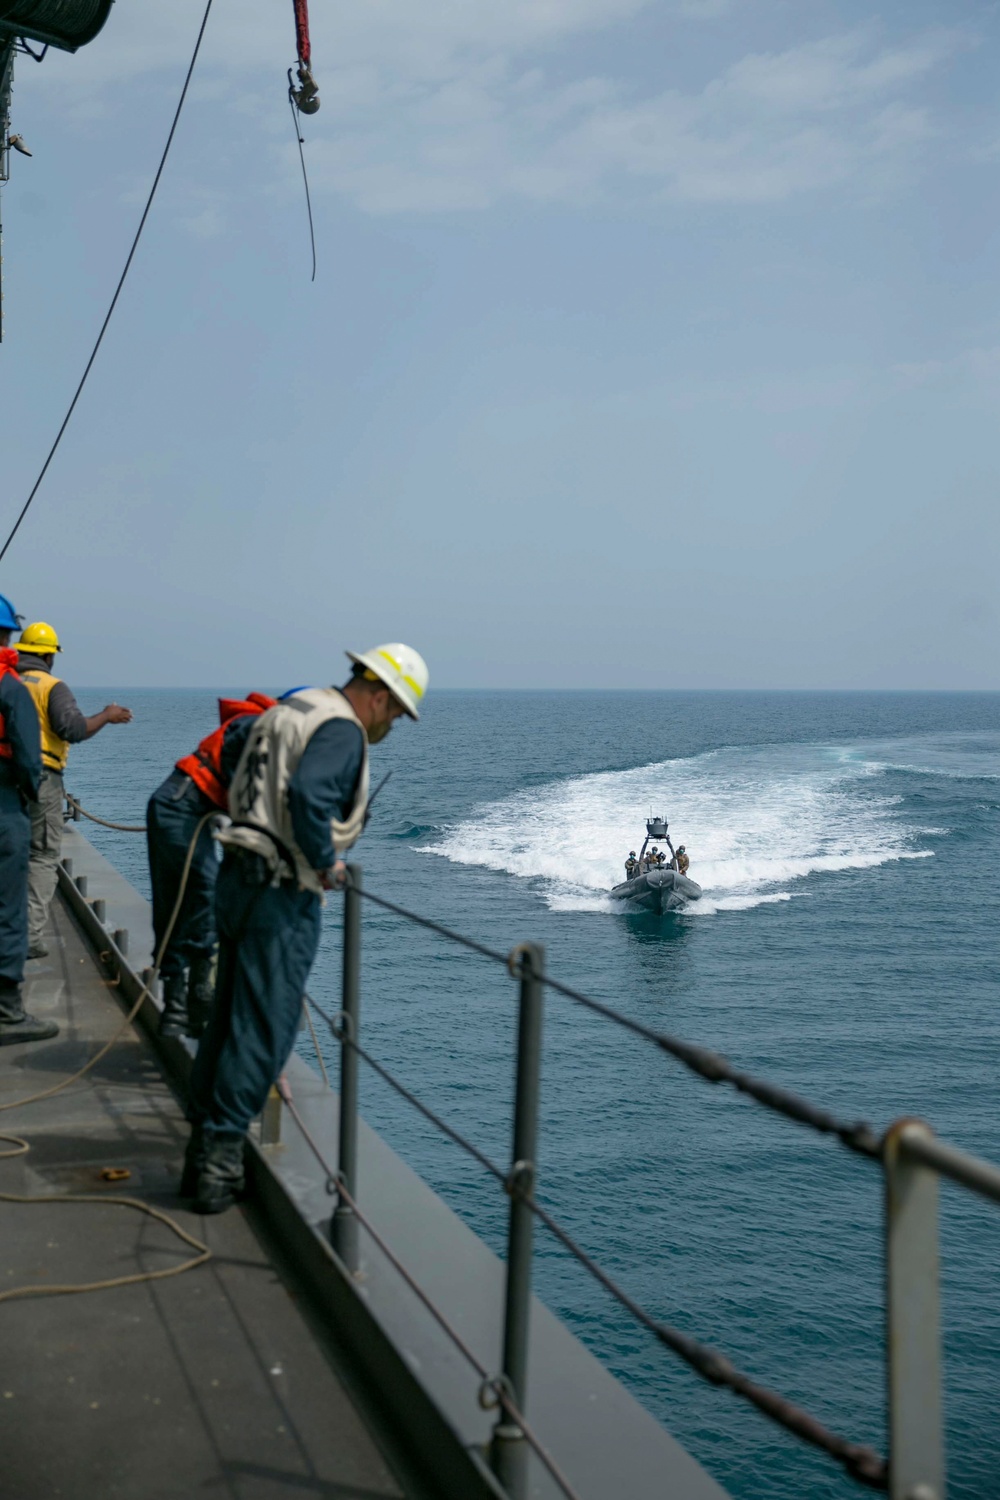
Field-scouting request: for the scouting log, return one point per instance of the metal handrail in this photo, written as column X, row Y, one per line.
column 911, row 1158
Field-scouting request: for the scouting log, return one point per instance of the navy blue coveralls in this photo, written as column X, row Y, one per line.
column 20, row 776
column 171, row 818
column 268, row 936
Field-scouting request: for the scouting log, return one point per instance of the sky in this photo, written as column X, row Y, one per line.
column 654, row 343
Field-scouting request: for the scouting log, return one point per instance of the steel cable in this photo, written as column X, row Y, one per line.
column 118, row 289
column 490, row 1382
column 863, row 1463
column 711, row 1066
column 411, row 1098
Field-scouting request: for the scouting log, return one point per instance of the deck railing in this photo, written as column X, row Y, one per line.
column 909, row 1156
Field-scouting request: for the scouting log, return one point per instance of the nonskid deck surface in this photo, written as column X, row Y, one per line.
column 209, row 1383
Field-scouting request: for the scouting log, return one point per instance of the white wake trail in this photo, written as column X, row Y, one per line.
column 755, row 821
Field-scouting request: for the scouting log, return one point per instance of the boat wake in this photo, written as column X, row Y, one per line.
column 757, row 823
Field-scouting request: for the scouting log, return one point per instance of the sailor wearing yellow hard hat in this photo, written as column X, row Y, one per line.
column 62, row 724
column 298, row 799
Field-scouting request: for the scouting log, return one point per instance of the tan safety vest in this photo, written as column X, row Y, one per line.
column 55, row 751
column 258, row 794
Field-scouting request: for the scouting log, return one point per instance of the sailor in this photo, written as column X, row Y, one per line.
column 198, row 785
column 297, row 800
column 653, row 862
column 62, row 724
column 631, row 865
column 680, row 861
column 20, row 774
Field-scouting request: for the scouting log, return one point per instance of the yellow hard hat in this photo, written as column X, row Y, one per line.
column 39, row 638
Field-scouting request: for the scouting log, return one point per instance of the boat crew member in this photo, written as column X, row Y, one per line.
column 631, row 865
column 298, row 800
column 653, row 862
column 680, row 861
column 20, row 774
column 198, row 785
column 62, row 724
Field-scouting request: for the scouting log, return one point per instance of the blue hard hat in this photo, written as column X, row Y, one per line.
column 9, row 620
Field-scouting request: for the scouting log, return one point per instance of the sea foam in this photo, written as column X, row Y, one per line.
column 757, row 822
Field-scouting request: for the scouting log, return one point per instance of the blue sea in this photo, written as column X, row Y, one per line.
column 846, row 948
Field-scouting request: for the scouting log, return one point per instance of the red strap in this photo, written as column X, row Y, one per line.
column 302, row 43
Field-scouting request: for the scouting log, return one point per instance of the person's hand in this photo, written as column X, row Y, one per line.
column 335, row 878
column 115, row 714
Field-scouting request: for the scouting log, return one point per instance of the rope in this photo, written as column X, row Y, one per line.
column 305, row 175
column 66, row 1289
column 121, row 282
column 491, row 1383
column 23, row 1146
column 118, row 827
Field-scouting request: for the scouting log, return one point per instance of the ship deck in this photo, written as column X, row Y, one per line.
column 211, row 1382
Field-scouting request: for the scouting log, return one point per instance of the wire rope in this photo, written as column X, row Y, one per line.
column 118, row 289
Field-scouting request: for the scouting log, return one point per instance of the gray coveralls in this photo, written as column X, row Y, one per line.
column 68, row 722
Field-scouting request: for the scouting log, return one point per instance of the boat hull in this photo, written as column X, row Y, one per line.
column 657, row 891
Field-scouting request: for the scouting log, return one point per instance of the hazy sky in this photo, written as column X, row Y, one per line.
column 654, row 343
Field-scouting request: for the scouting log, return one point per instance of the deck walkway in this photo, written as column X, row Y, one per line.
column 210, row 1383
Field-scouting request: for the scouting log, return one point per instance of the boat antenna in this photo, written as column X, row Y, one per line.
column 118, row 289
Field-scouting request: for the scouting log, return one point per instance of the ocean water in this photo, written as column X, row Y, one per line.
column 846, row 948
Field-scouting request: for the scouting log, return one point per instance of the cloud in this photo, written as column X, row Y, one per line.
column 459, row 105
column 768, row 127
column 981, row 365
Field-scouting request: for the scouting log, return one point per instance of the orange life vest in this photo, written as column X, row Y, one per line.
column 8, row 663
column 204, row 765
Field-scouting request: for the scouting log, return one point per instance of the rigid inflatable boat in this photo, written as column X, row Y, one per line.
column 657, row 890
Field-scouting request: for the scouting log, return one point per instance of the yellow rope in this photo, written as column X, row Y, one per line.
column 118, row 827
column 62, row 1290
column 23, row 1146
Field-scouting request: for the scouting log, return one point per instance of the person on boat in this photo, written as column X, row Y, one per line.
column 197, row 787
column 631, row 865
column 653, row 861
column 62, row 724
column 20, row 776
column 298, row 800
column 680, row 861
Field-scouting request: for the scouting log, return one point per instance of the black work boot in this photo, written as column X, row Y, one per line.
column 200, row 994
column 15, row 1024
column 221, row 1181
column 194, row 1161
column 174, row 1020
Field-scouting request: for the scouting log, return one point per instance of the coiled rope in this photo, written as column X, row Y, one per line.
column 22, row 1147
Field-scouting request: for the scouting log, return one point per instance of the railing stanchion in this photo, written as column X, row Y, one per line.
column 913, row 1332
column 509, row 1452
column 345, row 1224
